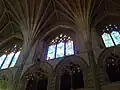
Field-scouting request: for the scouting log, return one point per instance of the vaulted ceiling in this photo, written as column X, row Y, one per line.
column 28, row 19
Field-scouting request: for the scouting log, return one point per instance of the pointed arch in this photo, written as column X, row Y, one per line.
column 69, row 70
column 75, row 59
column 43, row 65
column 43, row 70
column 109, row 63
column 107, row 52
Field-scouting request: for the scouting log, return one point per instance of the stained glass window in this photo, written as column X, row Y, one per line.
column 2, row 59
column 69, row 48
column 60, row 50
column 111, row 35
column 7, row 61
column 10, row 57
column 116, row 37
column 107, row 40
column 60, row 46
column 15, row 59
column 51, row 52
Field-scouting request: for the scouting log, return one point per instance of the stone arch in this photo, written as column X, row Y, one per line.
column 56, row 30
column 107, row 52
column 52, row 34
column 107, row 19
column 7, row 43
column 57, row 26
column 71, row 31
column 42, row 70
column 102, row 61
column 75, row 59
column 66, row 62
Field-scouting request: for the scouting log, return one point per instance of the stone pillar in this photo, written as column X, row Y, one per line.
column 22, row 60
column 102, row 76
column 91, row 57
column 93, row 66
column 90, row 83
column 85, row 78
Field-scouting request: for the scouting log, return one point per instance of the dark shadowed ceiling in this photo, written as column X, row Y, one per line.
column 28, row 19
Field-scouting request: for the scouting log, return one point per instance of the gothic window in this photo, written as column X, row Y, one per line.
column 10, row 56
column 69, row 48
column 59, row 47
column 72, row 77
column 7, row 60
column 113, row 67
column 2, row 59
column 60, row 50
column 51, row 52
column 111, row 35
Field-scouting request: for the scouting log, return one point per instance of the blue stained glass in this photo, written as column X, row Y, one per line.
column 51, row 52
column 7, row 61
column 107, row 40
column 15, row 59
column 2, row 59
column 69, row 48
column 60, row 50
column 116, row 37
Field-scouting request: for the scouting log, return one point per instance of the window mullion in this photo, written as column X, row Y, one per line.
column 12, row 58
column 3, row 61
column 55, row 49
column 64, row 48
column 112, row 39
column 74, row 47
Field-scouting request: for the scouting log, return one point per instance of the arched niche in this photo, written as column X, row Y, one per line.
column 65, row 65
column 56, row 31
column 107, row 61
column 36, row 74
column 52, row 34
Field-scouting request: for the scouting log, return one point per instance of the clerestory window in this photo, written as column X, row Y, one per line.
column 60, row 46
column 111, row 35
column 9, row 58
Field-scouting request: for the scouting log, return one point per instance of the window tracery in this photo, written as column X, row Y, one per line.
column 59, row 47
column 10, row 56
column 111, row 35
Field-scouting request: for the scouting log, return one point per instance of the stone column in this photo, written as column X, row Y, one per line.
column 92, row 63
column 102, row 76
column 87, row 34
